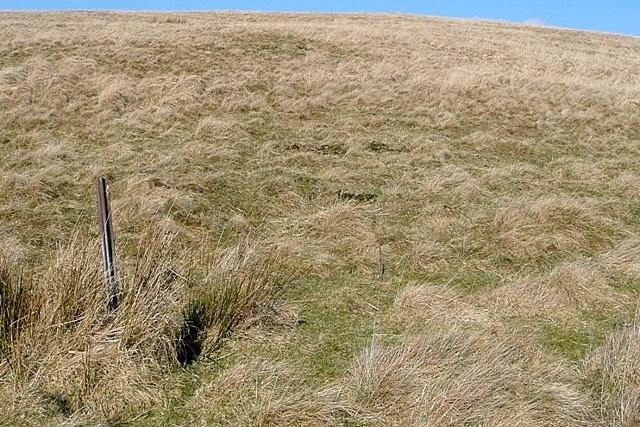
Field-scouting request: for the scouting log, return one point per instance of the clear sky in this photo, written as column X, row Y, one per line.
column 615, row 16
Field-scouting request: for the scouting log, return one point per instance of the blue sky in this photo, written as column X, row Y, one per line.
column 616, row 16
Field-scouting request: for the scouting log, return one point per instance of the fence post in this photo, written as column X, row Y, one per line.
column 108, row 248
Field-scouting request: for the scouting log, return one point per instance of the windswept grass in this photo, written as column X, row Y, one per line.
column 64, row 355
column 459, row 376
column 241, row 286
column 611, row 373
column 367, row 220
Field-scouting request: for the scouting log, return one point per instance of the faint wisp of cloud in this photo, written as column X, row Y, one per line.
column 534, row 21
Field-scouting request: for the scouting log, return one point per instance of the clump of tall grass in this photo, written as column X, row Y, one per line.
column 462, row 376
column 611, row 373
column 269, row 394
column 63, row 354
column 235, row 289
column 458, row 364
column 64, row 345
column 19, row 307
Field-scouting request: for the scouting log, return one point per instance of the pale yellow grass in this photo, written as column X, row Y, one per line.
column 466, row 190
column 69, row 357
column 611, row 371
column 567, row 288
column 460, row 376
column 623, row 258
column 460, row 364
column 266, row 394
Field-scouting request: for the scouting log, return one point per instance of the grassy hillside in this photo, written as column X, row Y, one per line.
column 357, row 220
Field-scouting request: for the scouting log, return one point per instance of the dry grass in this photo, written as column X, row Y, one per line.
column 465, row 191
column 611, row 372
column 569, row 287
column 262, row 393
column 65, row 355
column 459, row 376
column 70, row 351
column 458, row 364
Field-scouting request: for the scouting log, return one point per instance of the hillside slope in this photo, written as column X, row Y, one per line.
column 442, row 218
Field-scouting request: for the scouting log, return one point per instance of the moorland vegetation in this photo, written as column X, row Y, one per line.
column 320, row 219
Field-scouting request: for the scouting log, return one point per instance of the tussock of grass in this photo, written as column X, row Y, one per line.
column 267, row 394
column 19, row 307
column 610, row 371
column 624, row 257
column 99, row 365
column 567, row 288
column 533, row 228
column 60, row 344
column 241, row 286
column 458, row 376
column 458, row 364
column 420, row 305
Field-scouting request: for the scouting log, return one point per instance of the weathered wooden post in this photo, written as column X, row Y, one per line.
column 108, row 248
